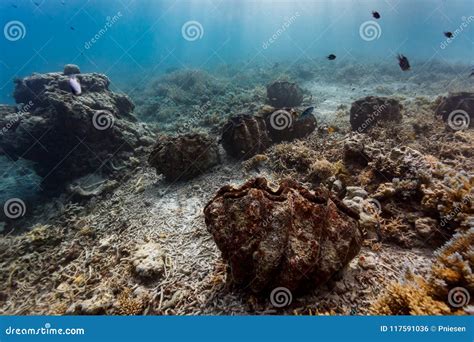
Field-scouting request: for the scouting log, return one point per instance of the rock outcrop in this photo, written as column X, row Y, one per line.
column 289, row 237
column 67, row 135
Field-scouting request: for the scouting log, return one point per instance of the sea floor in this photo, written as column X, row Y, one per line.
column 80, row 259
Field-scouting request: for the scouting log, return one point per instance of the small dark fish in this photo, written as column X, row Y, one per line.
column 403, row 62
column 72, row 28
column 448, row 34
column 472, row 73
column 14, row 6
column 376, row 14
column 331, row 57
column 37, row 3
column 307, row 112
column 75, row 85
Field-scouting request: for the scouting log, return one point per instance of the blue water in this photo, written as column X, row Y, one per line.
column 145, row 36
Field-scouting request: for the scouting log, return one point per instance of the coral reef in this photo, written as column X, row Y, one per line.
column 284, row 94
column 184, row 156
column 289, row 237
column 452, row 109
column 367, row 112
column 69, row 136
column 244, row 136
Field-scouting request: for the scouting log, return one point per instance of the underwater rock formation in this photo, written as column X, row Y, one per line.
column 69, row 136
column 457, row 109
column 185, row 156
column 286, row 125
column 244, row 136
column 284, row 94
column 368, row 111
column 289, row 237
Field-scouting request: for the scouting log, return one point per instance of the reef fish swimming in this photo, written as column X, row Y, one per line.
column 403, row 62
column 75, row 85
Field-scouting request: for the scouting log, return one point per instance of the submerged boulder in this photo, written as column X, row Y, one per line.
column 289, row 237
column 457, row 110
column 185, row 156
column 67, row 135
column 284, row 94
column 368, row 111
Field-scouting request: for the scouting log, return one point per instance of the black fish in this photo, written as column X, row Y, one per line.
column 403, row 62
column 448, row 34
column 37, row 4
column 307, row 112
column 72, row 28
column 14, row 6
column 376, row 14
column 331, row 57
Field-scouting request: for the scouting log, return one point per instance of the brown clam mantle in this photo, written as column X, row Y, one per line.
column 290, row 237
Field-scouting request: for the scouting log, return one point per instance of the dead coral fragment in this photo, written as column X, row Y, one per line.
column 185, row 156
column 289, row 237
column 148, row 261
